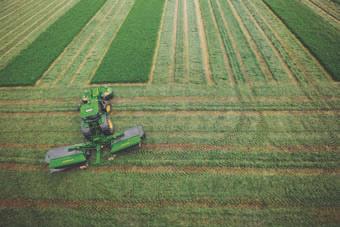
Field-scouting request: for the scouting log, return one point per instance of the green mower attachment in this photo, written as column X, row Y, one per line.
column 77, row 156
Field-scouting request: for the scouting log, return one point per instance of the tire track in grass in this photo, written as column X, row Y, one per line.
column 122, row 15
column 183, row 170
column 18, row 18
column 24, row 41
column 98, row 18
column 323, row 13
column 203, row 203
column 8, row 7
column 179, row 60
column 230, row 46
column 196, row 64
column 56, row 37
column 203, row 43
column 249, row 62
column 172, row 67
column 186, row 44
column 6, row 48
column 314, row 67
column 252, row 44
column 306, row 82
column 334, row 13
column 226, row 62
column 313, row 87
column 48, row 77
column 277, row 54
column 181, row 112
column 189, row 147
column 158, row 40
column 165, row 60
column 23, row 5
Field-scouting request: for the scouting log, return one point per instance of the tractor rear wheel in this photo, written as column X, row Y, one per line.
column 107, row 126
column 86, row 132
column 109, row 130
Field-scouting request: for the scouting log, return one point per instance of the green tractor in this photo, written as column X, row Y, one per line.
column 95, row 108
column 97, row 129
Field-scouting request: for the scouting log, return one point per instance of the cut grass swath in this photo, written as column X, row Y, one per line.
column 30, row 64
column 314, row 32
column 129, row 58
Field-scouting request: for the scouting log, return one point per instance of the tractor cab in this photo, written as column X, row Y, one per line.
column 95, row 107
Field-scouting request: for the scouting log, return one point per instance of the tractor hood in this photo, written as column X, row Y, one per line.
column 89, row 110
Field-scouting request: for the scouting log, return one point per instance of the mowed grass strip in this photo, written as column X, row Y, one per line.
column 313, row 31
column 56, row 213
column 130, row 56
column 32, row 62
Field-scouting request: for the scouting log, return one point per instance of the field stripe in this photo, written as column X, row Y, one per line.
column 49, row 80
column 185, row 170
column 71, row 61
column 18, row 8
column 278, row 55
column 88, row 48
column 239, row 64
column 6, row 57
column 30, row 11
column 184, row 112
column 260, row 59
column 232, row 203
column 310, row 71
column 166, row 62
column 9, row 6
column 100, row 60
column 226, row 60
column 84, row 44
column 7, row 48
column 186, row 73
column 323, row 13
column 196, row 61
column 172, row 67
column 154, row 58
column 328, row 11
column 189, row 147
column 77, row 78
column 203, row 43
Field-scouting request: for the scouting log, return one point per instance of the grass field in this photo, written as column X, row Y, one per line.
column 241, row 118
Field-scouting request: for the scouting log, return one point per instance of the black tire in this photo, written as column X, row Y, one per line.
column 107, row 126
column 86, row 132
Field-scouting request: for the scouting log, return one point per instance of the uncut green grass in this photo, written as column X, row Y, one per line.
column 130, row 55
column 32, row 62
column 321, row 38
column 115, row 186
